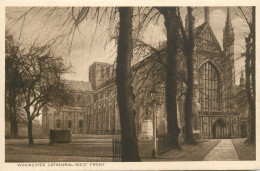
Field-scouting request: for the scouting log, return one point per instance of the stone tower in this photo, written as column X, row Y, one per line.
column 228, row 38
column 206, row 14
column 228, row 60
column 98, row 73
column 187, row 23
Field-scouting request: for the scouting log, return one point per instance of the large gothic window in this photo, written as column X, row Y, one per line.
column 209, row 87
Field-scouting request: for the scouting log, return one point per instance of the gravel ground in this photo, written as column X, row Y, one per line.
column 244, row 151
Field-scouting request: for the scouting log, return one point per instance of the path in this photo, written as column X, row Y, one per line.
column 224, row 151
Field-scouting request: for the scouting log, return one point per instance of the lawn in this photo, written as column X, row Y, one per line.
column 188, row 152
column 91, row 150
column 244, row 151
column 101, row 150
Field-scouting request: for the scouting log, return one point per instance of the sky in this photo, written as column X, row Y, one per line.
column 93, row 41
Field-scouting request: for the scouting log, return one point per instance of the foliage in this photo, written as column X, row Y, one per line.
column 250, row 73
column 12, row 85
column 38, row 75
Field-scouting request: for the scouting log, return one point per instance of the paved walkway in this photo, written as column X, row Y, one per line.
column 224, row 151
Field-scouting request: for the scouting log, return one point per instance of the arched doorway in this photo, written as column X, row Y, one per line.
column 243, row 129
column 219, row 129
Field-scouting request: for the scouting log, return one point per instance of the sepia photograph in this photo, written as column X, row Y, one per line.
column 130, row 84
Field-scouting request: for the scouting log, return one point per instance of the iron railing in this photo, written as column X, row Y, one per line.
column 116, row 145
column 164, row 143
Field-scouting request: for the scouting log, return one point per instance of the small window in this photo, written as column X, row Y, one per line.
column 58, row 123
column 69, row 124
column 80, row 123
column 205, row 128
column 78, row 98
column 234, row 127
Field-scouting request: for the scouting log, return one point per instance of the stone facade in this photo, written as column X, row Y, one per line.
column 215, row 115
column 72, row 117
column 214, row 74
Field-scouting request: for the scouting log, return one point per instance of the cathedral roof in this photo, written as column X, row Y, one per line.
column 205, row 26
column 72, row 109
column 79, row 85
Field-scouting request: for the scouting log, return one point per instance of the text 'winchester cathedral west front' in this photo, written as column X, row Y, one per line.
column 130, row 84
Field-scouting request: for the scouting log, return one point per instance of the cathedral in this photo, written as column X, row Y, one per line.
column 215, row 82
column 215, row 114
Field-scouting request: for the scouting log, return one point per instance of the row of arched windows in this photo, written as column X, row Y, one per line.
column 69, row 123
column 106, row 72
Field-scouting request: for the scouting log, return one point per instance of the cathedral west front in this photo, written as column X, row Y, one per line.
column 214, row 113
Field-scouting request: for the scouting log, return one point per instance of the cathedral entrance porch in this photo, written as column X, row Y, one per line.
column 221, row 126
column 219, row 129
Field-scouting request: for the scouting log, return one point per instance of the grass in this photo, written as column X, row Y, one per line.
column 244, row 151
column 196, row 152
column 91, row 151
column 103, row 152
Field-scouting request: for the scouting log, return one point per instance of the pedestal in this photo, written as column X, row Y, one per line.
column 147, row 129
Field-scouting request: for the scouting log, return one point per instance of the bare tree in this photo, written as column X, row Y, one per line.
column 12, row 84
column 172, row 28
column 188, row 51
column 125, row 94
column 40, row 73
column 124, row 88
column 123, row 75
column 250, row 72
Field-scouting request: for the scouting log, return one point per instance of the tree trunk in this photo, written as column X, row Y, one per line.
column 124, row 89
column 29, row 119
column 251, row 117
column 188, row 103
column 190, row 80
column 172, row 28
column 250, row 80
column 13, row 121
column 30, row 136
column 12, row 113
column 253, row 52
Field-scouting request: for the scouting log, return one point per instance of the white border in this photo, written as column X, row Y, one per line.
column 193, row 165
